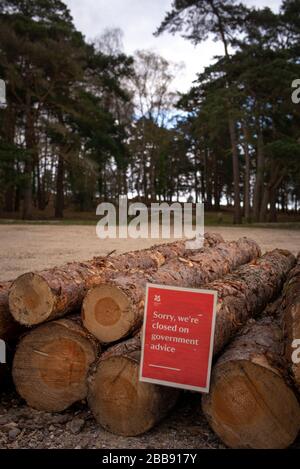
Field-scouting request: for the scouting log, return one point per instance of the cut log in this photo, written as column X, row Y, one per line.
column 9, row 328
column 113, row 310
column 51, row 364
column 250, row 404
column 246, row 292
column 291, row 321
column 38, row 297
column 125, row 406
column 119, row 401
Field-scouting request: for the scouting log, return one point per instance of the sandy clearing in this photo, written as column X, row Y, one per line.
column 25, row 248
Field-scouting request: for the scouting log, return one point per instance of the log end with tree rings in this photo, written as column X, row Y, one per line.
column 31, row 300
column 251, row 403
column 250, row 406
column 51, row 364
column 121, row 403
column 107, row 313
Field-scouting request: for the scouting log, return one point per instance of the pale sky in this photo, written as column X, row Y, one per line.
column 139, row 19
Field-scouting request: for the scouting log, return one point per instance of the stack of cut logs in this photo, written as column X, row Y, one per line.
column 84, row 340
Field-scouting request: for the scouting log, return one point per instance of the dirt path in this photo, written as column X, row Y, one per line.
column 25, row 247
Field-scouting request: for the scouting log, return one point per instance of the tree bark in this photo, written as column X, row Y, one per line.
column 260, row 168
column 9, row 198
column 17, row 199
column 28, row 170
column 113, row 310
column 9, row 130
column 124, row 405
column 36, row 298
column 119, row 401
column 247, row 197
column 51, row 364
column 270, row 189
column 208, row 180
column 217, row 185
column 59, row 203
column 264, row 204
column 291, row 320
column 273, row 211
column 250, row 404
column 236, row 172
column 247, row 291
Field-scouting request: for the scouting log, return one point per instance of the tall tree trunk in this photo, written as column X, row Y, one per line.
column 28, row 169
column 196, row 179
column 273, row 211
column 236, row 172
column 27, row 190
column 145, row 180
column 232, row 128
column 203, row 178
column 260, row 168
column 270, row 189
column 40, row 198
column 208, row 182
column 247, row 203
column 59, row 203
column 17, row 199
column 217, row 194
column 9, row 198
column 42, row 201
column 9, row 174
column 264, row 204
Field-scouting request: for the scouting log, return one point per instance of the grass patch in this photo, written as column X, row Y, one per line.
column 212, row 219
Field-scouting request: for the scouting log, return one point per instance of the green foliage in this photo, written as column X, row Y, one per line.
column 85, row 122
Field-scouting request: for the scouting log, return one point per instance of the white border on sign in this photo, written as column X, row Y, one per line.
column 211, row 348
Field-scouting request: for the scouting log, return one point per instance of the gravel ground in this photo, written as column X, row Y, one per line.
column 23, row 427
column 27, row 247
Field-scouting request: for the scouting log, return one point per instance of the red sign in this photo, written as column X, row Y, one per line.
column 178, row 337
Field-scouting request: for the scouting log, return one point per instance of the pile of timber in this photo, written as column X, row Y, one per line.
column 84, row 338
column 51, row 362
column 35, row 357
column 51, row 294
column 113, row 310
column 34, row 298
column 115, row 378
column 253, row 401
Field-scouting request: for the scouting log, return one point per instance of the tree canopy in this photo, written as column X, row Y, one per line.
column 85, row 122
